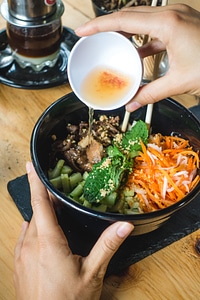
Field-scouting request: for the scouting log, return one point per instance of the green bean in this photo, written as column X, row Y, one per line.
column 57, row 183
column 66, row 170
column 128, row 193
column 57, row 170
column 82, row 199
column 129, row 199
column 74, row 179
column 87, row 204
column 110, row 200
column 71, row 183
column 100, row 208
column 77, row 191
column 65, row 183
column 131, row 211
column 118, row 206
column 136, row 205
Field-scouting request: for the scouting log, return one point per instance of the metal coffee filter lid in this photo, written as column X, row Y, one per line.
column 48, row 15
column 31, row 9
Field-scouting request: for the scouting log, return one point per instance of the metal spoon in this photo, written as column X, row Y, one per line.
column 6, row 58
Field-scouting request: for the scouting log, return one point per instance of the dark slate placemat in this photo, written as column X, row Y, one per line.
column 135, row 248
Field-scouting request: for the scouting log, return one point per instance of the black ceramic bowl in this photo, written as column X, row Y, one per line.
column 168, row 116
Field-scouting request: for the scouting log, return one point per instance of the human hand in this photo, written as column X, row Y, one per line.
column 174, row 28
column 45, row 267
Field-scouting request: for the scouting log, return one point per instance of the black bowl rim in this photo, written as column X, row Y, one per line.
column 104, row 215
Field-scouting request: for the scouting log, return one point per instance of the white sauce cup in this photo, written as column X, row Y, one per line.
column 118, row 63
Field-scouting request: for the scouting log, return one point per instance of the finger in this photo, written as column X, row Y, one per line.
column 155, row 91
column 32, row 229
column 127, row 20
column 153, row 47
column 108, row 243
column 117, row 21
column 44, row 214
column 20, row 241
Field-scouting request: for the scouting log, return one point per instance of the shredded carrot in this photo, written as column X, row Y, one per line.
column 164, row 172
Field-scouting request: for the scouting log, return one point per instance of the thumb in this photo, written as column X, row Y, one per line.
column 108, row 243
column 154, row 91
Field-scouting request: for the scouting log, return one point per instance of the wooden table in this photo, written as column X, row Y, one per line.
column 172, row 273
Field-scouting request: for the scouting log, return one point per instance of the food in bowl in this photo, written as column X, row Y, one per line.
column 104, row 169
column 168, row 116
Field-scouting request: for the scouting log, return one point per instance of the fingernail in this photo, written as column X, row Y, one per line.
column 133, row 106
column 124, row 229
column 25, row 224
column 28, row 167
column 78, row 30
